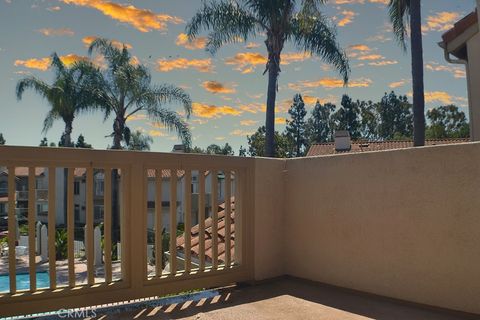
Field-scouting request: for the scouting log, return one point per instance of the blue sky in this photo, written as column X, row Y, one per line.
column 228, row 89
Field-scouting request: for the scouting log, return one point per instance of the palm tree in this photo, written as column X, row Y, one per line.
column 299, row 22
column 401, row 12
column 126, row 90
column 68, row 95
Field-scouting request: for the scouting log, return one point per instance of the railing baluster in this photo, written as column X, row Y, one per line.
column 71, row 227
column 201, row 217
column 89, row 227
column 158, row 224
column 107, row 228
column 173, row 221
column 187, row 206
column 214, row 218
column 31, row 229
column 239, row 180
column 11, row 230
column 144, row 209
column 124, row 200
column 52, row 263
column 228, row 212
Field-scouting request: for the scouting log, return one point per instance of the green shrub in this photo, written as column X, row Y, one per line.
column 61, row 244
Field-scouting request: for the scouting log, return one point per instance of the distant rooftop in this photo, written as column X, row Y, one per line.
column 195, row 237
column 460, row 27
column 364, row 146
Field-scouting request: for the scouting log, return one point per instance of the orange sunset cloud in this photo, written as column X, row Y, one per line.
column 88, row 41
column 330, row 83
column 44, row 63
column 197, row 43
column 141, row 19
column 211, row 111
column 217, row 87
column 201, row 65
column 50, row 32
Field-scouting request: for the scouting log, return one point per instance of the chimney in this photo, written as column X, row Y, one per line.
column 178, row 148
column 342, row 141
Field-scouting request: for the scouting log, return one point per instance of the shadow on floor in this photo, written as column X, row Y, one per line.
column 289, row 298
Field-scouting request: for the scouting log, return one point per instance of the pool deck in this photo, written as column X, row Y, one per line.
column 22, row 266
column 288, row 298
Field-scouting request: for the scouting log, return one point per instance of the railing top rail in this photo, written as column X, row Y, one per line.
column 70, row 157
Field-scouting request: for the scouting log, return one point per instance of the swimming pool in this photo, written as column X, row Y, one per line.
column 23, row 281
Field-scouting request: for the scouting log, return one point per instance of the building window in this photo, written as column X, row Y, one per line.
column 77, row 212
column 42, row 208
column 99, row 185
column 76, row 188
column 98, row 213
column 3, row 208
column 3, row 187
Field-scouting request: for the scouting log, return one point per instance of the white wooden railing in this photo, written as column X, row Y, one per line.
column 137, row 275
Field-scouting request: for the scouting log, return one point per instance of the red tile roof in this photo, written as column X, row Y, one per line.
column 165, row 173
column 195, row 237
column 79, row 172
column 363, row 146
column 460, row 27
column 23, row 171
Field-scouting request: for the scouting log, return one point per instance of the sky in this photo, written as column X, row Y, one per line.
column 228, row 89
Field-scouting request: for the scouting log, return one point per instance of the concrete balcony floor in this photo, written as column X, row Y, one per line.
column 288, row 298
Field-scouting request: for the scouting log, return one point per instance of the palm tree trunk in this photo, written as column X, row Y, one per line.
column 118, row 127
column 417, row 73
column 67, row 135
column 273, row 70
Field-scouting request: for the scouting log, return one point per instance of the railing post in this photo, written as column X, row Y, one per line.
column 135, row 223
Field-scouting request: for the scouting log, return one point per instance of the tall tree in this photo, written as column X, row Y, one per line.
column 395, row 117
column 242, row 152
column 2, row 140
column 447, row 122
column 43, row 142
column 126, row 89
column 299, row 22
column 81, row 143
column 401, row 12
column 347, row 117
column 140, row 141
column 256, row 144
column 370, row 120
column 68, row 95
column 320, row 124
column 226, row 150
column 296, row 126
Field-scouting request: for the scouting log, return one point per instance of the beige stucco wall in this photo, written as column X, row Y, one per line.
column 473, row 72
column 269, row 216
column 403, row 224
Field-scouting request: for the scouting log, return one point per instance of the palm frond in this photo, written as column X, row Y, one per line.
column 227, row 19
column 169, row 93
column 58, row 65
column 315, row 35
column 172, row 121
column 36, row 84
column 399, row 13
column 50, row 118
column 114, row 56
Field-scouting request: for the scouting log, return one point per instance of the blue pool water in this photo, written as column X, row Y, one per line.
column 23, row 281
